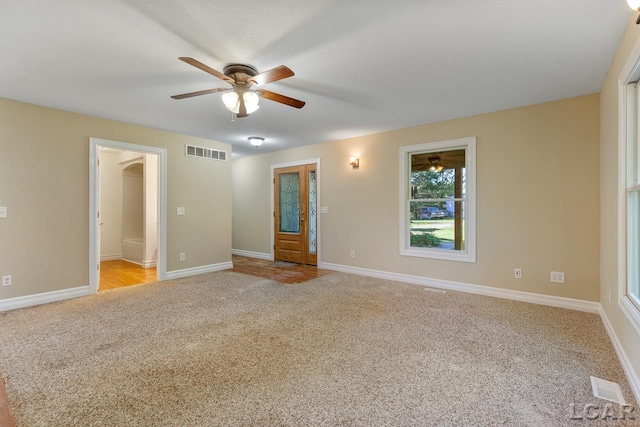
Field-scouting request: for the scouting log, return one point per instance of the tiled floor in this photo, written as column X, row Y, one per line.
column 281, row 272
column 6, row 420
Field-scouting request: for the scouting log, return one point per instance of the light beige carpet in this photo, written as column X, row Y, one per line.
column 230, row 349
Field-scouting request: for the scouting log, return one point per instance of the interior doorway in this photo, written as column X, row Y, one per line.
column 127, row 230
column 296, row 214
column 128, row 208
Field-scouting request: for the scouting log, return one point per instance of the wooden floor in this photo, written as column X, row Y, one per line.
column 118, row 274
column 281, row 272
column 6, row 420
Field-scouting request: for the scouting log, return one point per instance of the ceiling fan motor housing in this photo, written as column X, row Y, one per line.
column 240, row 72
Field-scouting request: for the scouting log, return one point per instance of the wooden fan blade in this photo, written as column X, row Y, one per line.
column 200, row 92
column 272, row 96
column 275, row 74
column 205, row 68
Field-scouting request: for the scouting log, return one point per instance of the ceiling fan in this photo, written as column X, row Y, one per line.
column 246, row 86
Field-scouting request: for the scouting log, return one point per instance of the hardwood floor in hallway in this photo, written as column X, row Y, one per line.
column 119, row 273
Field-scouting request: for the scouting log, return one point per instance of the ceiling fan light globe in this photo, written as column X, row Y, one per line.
column 231, row 101
column 251, row 108
column 634, row 4
column 251, row 100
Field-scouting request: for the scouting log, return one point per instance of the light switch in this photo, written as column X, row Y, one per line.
column 180, row 211
column 3, row 211
column 324, row 209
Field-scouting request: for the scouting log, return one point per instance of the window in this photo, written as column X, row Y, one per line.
column 632, row 196
column 437, row 200
column 629, row 191
column 628, row 207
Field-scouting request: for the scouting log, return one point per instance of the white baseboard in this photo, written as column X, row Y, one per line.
column 632, row 375
column 250, row 254
column 562, row 302
column 143, row 264
column 43, row 298
column 177, row 274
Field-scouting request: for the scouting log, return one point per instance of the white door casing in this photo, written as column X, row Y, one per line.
column 94, row 195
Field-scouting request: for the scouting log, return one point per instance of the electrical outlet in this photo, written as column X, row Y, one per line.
column 182, row 256
column 180, row 211
column 6, row 280
column 557, row 276
column 353, row 253
column 517, row 273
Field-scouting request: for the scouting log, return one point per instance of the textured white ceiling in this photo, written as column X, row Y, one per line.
column 362, row 66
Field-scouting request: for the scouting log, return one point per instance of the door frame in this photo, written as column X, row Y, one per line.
column 94, row 194
column 315, row 161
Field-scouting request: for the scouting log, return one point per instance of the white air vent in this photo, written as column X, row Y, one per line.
column 434, row 290
column 607, row 390
column 205, row 153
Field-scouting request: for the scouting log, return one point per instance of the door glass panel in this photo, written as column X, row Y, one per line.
column 312, row 212
column 289, row 184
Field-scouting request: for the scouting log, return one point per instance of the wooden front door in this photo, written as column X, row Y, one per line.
column 296, row 214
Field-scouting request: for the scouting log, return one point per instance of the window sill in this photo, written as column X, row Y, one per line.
column 446, row 255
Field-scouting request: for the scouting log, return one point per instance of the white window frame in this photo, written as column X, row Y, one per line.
column 629, row 74
column 469, row 252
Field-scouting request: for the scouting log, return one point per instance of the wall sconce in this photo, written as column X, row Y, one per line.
column 354, row 163
column 635, row 5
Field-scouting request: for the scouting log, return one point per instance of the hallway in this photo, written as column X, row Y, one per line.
column 119, row 273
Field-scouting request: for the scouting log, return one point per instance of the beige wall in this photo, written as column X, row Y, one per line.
column 110, row 206
column 44, row 181
column 609, row 256
column 133, row 201
column 538, row 196
column 150, row 208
